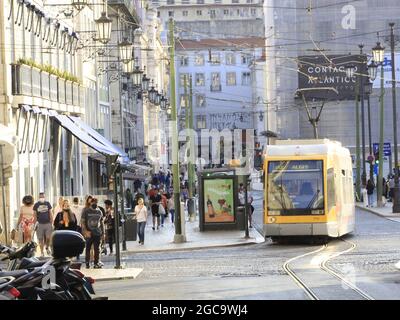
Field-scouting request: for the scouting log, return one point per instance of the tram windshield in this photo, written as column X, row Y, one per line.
column 295, row 187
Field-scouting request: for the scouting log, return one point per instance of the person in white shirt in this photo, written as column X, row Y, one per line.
column 77, row 209
column 141, row 216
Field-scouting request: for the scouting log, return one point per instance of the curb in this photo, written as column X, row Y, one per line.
column 377, row 212
column 130, row 252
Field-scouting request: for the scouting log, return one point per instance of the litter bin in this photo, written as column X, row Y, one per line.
column 130, row 227
column 240, row 216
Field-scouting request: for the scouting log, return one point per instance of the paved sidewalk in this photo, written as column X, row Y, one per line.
column 112, row 274
column 385, row 211
column 163, row 239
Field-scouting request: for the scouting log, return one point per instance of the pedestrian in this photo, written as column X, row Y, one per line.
column 109, row 224
column 242, row 201
column 155, row 200
column 163, row 209
column 44, row 217
column 138, row 196
column 370, row 192
column 391, row 188
column 65, row 219
column 168, row 181
column 141, row 216
column 251, row 211
column 59, row 205
column 77, row 210
column 171, row 207
column 384, row 187
column 129, row 198
column 26, row 220
column 93, row 231
column 137, row 184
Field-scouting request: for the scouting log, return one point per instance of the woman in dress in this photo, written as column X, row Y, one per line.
column 26, row 218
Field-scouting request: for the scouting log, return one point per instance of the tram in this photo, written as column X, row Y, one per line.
column 308, row 189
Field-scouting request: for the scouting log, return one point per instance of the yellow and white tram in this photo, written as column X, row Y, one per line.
column 308, row 189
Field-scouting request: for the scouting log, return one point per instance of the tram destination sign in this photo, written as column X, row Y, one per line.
column 321, row 71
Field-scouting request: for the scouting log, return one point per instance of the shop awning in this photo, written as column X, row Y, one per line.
column 83, row 136
column 97, row 136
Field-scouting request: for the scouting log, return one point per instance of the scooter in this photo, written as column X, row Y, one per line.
column 73, row 282
column 7, row 291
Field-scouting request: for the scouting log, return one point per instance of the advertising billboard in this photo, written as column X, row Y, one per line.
column 322, row 71
column 219, row 204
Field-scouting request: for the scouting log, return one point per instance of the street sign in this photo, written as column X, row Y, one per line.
column 387, row 149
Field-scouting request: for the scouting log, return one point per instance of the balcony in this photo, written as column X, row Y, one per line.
column 33, row 82
column 129, row 6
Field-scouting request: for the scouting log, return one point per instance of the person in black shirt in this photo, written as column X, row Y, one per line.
column 155, row 203
column 93, row 231
column 109, row 221
column 66, row 219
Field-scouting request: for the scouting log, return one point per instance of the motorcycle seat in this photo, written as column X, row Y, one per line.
column 15, row 274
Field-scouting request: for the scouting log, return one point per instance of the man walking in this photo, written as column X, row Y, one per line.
column 93, row 231
column 43, row 215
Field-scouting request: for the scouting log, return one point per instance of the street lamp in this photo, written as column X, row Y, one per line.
column 125, row 50
column 373, row 70
column 128, row 67
column 145, row 83
column 103, row 25
column 163, row 103
column 350, row 70
column 79, row 4
column 137, row 75
column 157, row 100
column 152, row 93
column 378, row 53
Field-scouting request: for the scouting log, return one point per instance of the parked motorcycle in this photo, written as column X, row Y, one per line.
column 7, row 291
column 32, row 275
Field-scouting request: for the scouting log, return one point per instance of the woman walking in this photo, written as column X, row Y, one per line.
column 66, row 219
column 370, row 192
column 26, row 218
column 141, row 216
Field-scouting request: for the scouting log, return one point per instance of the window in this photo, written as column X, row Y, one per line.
column 200, row 80
column 253, row 12
column 170, row 1
column 199, row 12
column 226, row 12
column 213, row 14
column 185, row 13
column 184, row 101
column 215, row 59
column 200, row 1
column 246, row 78
column 245, row 59
column 199, row 60
column 215, row 81
column 201, row 122
column 182, row 79
column 231, row 78
column 200, row 101
column 295, row 187
column 170, row 13
column 184, row 61
column 230, row 59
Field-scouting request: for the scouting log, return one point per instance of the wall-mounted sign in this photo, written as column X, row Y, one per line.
column 316, row 72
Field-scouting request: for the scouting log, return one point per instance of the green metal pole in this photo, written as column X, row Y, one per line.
column 381, row 124
column 179, row 237
column 191, row 141
column 358, row 155
column 116, row 219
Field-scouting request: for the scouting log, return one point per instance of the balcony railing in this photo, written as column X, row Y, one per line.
column 32, row 82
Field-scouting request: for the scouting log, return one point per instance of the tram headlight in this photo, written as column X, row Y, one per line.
column 271, row 219
column 317, row 212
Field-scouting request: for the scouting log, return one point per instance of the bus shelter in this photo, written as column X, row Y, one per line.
column 219, row 206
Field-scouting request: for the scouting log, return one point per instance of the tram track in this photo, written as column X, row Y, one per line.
column 323, row 265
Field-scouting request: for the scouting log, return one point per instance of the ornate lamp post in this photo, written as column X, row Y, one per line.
column 103, row 26
column 378, row 53
column 125, row 50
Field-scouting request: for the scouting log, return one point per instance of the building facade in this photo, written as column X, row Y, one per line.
column 329, row 27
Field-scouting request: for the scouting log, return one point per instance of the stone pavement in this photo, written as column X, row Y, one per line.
column 112, row 274
column 163, row 239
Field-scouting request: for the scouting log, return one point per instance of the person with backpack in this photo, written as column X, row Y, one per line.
column 93, row 231
column 370, row 192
